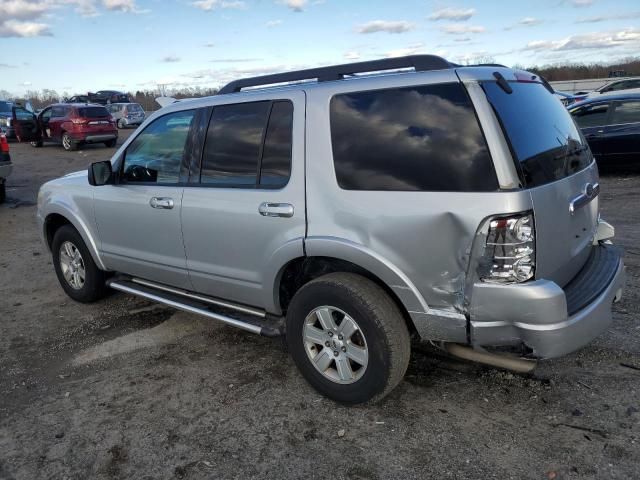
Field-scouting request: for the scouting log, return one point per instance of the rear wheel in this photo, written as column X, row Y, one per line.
column 111, row 143
column 348, row 338
column 36, row 144
column 77, row 273
column 67, row 143
column 121, row 124
column 3, row 191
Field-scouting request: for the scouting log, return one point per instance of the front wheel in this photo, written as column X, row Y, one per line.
column 348, row 338
column 77, row 273
column 121, row 124
column 67, row 143
column 36, row 143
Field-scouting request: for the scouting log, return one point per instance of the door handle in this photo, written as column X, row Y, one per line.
column 165, row 203
column 267, row 209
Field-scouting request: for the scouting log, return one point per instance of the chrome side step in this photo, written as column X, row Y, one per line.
column 245, row 318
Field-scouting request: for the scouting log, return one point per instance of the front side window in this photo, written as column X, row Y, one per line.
column 626, row 112
column 591, row 115
column 422, row 138
column 156, row 154
column 57, row 112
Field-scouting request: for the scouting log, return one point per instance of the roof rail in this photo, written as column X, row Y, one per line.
column 420, row 63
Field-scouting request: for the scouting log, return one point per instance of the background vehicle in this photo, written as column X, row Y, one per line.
column 69, row 124
column 567, row 98
column 630, row 85
column 5, row 165
column 6, row 125
column 611, row 125
column 104, row 97
column 78, row 99
column 126, row 114
column 349, row 213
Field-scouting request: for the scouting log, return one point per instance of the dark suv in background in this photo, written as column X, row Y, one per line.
column 69, row 124
column 104, row 97
column 6, row 120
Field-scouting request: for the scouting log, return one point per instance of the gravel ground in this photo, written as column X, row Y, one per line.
column 127, row 389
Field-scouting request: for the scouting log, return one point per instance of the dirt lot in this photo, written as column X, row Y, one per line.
column 126, row 389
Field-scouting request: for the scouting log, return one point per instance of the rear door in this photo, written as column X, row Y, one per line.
column 139, row 217
column 557, row 168
column 247, row 201
column 26, row 125
column 621, row 137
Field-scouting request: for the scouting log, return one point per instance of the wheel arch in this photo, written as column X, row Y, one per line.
column 58, row 217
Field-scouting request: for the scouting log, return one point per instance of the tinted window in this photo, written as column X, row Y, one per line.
column 591, row 115
column 156, row 154
column 22, row 114
column 232, row 147
column 93, row 112
column 133, row 107
column 627, row 112
column 544, row 138
column 417, row 138
column 57, row 112
column 276, row 153
column 5, row 107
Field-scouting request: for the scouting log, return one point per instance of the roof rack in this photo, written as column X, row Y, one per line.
column 420, row 63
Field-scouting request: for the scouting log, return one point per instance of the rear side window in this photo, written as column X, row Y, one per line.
column 626, row 112
column 248, row 145
column 92, row 112
column 544, row 139
column 423, row 138
column 591, row 115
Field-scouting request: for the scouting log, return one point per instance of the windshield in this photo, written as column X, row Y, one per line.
column 93, row 112
column 5, row 107
column 544, row 139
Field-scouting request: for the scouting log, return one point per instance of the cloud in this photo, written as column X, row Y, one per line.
column 525, row 22
column 352, row 55
column 295, row 5
column 582, row 3
column 273, row 23
column 6, row 65
column 462, row 29
column 209, row 5
column 629, row 37
column 458, row 14
column 15, row 28
column 22, row 10
column 604, row 18
column 126, row 6
column 209, row 45
column 387, row 26
column 402, row 52
column 170, row 59
column 234, row 60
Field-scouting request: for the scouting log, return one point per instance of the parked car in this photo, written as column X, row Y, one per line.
column 71, row 125
column 105, row 97
column 630, row 85
column 6, row 125
column 567, row 98
column 611, row 125
column 78, row 99
column 126, row 114
column 5, row 166
column 346, row 214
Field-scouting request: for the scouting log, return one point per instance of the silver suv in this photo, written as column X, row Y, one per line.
column 351, row 211
column 126, row 114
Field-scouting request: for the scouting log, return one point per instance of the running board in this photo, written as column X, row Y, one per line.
column 245, row 318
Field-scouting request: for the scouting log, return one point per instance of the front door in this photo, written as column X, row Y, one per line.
column 25, row 124
column 592, row 119
column 248, row 204
column 139, row 217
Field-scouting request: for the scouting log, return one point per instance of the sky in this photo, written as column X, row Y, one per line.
column 75, row 46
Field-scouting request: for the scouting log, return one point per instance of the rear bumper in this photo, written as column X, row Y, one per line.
column 94, row 137
column 132, row 121
column 550, row 320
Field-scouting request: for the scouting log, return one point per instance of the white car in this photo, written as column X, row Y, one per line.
column 630, row 85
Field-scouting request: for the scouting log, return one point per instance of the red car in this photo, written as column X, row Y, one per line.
column 71, row 124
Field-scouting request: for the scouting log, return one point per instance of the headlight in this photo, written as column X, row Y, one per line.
column 510, row 250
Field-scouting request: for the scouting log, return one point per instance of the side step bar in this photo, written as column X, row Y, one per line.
column 245, row 318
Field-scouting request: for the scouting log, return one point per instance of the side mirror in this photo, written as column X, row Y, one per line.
column 100, row 173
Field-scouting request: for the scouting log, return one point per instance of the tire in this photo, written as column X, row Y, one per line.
column 93, row 287
column 3, row 191
column 67, row 143
column 36, row 144
column 111, row 143
column 381, row 333
column 121, row 124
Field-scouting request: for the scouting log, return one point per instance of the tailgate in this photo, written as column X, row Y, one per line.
column 563, row 238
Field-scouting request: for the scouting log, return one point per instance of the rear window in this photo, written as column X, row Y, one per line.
column 544, row 138
column 92, row 112
column 134, row 107
column 422, row 138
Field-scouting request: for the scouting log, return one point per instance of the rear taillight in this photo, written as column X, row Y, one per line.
column 510, row 250
column 80, row 121
column 4, row 144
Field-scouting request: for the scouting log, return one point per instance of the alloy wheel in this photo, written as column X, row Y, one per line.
column 72, row 265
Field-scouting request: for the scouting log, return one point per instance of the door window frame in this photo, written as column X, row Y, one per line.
column 183, row 175
column 607, row 119
column 614, row 105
